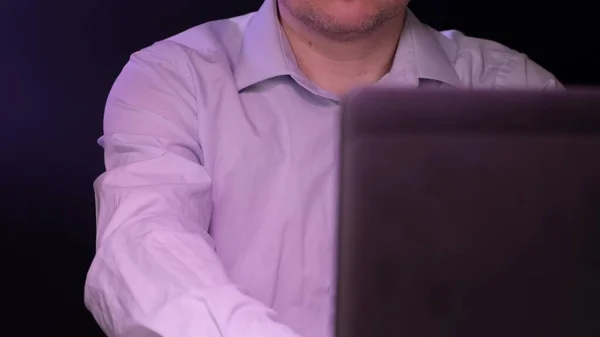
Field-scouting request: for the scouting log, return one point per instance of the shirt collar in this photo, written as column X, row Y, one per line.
column 262, row 55
column 265, row 52
column 419, row 50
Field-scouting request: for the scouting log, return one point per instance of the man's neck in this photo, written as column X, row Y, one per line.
column 339, row 66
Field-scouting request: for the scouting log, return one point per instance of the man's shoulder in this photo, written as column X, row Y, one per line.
column 214, row 43
column 482, row 63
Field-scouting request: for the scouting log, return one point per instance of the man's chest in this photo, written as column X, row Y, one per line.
column 273, row 161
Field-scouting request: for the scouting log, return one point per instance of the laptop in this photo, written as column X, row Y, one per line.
column 469, row 214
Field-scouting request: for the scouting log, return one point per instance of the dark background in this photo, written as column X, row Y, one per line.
column 58, row 60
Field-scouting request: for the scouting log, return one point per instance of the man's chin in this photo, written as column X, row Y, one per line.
column 348, row 28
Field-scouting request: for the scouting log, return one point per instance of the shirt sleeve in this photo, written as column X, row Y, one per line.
column 155, row 272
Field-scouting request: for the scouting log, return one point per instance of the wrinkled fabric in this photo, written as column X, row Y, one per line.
column 216, row 213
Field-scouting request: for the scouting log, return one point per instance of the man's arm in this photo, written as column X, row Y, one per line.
column 155, row 272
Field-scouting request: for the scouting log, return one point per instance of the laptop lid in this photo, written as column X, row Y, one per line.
column 466, row 213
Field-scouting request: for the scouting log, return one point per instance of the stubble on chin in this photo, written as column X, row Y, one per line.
column 332, row 28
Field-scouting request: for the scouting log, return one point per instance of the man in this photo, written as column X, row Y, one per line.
column 216, row 212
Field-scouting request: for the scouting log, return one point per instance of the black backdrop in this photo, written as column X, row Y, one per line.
column 58, row 60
